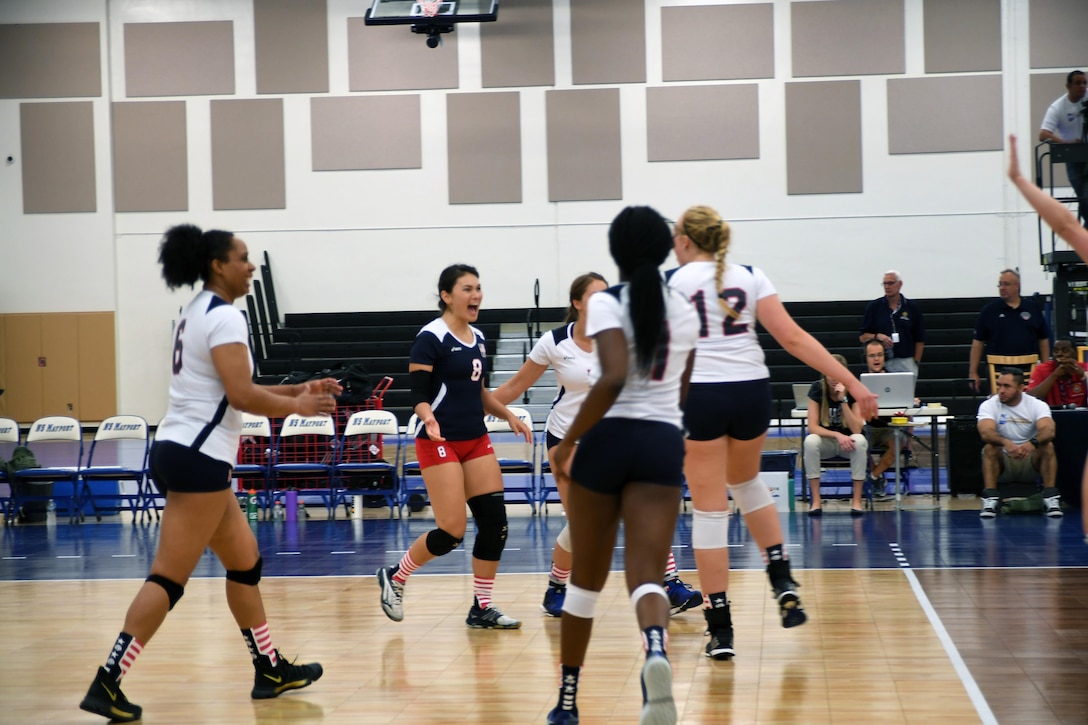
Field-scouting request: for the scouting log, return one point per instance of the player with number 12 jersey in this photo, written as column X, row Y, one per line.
column 729, row 350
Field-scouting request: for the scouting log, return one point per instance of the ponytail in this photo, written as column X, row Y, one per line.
column 639, row 240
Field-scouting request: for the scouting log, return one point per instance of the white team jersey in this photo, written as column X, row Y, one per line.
column 199, row 415
column 575, row 370
column 1018, row 423
column 1064, row 118
column 656, row 397
column 728, row 350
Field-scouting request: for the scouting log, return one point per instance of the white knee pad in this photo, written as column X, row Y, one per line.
column 642, row 590
column 751, row 495
column 710, row 529
column 580, row 602
column 564, row 539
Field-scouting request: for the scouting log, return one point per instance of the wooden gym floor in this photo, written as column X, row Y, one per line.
column 914, row 617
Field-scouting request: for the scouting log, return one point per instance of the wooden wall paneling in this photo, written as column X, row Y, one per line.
column 97, row 366
column 60, row 376
column 22, row 346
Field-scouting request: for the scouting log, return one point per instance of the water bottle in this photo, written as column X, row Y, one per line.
column 51, row 514
column 277, row 511
column 291, row 505
column 251, row 505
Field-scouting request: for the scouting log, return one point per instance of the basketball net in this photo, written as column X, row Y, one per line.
column 429, row 9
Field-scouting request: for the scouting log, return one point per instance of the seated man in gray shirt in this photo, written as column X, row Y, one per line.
column 1018, row 431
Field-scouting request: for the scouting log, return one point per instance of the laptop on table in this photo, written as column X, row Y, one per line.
column 893, row 390
column 800, row 395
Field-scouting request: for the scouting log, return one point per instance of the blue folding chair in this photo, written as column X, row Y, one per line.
column 411, row 475
column 57, row 443
column 517, row 455
column 9, row 441
column 255, row 455
column 119, row 453
column 305, row 453
column 363, row 458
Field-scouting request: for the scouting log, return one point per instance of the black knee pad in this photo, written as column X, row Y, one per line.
column 441, row 542
column 174, row 591
column 252, row 577
column 489, row 511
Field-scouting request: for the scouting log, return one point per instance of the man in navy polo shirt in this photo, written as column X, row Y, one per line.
column 1010, row 325
column 896, row 323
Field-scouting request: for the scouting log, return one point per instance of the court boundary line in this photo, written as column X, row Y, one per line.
column 966, row 678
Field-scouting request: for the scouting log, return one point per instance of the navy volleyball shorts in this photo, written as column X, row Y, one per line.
column 618, row 451
column 181, row 469
column 741, row 410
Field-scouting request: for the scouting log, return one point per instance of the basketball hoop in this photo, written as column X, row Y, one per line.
column 429, row 9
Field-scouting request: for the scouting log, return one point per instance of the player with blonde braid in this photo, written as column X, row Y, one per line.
column 728, row 412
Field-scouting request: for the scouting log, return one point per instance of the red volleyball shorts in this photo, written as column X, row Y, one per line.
column 431, row 453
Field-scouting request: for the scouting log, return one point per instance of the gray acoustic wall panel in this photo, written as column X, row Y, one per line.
column 484, row 147
column 393, row 58
column 608, row 41
column 519, row 50
column 179, row 59
column 291, row 40
column 371, row 132
column 944, row 113
column 584, row 161
column 50, row 60
column 847, row 37
column 248, row 154
column 1057, row 33
column 58, row 157
column 150, row 161
column 686, row 123
column 962, row 35
column 823, row 137
column 1045, row 89
column 717, row 42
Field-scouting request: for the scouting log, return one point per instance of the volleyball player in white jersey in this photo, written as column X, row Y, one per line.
column 570, row 353
column 629, row 462
column 447, row 367
column 728, row 411
column 195, row 448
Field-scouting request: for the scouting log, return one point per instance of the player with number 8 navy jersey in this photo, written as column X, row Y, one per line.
column 446, row 371
column 458, row 369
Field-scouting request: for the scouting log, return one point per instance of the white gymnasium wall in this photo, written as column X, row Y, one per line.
column 354, row 240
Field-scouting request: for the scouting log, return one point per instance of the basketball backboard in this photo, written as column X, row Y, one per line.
column 407, row 12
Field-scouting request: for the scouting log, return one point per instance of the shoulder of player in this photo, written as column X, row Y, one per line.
column 558, row 335
column 436, row 327
column 217, row 307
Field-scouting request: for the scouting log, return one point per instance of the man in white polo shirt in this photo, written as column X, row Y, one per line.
column 1018, row 431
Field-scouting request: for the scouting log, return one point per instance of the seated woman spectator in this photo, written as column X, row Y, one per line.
column 1061, row 380
column 880, row 435
column 834, row 430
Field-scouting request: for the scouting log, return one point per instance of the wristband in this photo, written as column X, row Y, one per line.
column 1034, row 442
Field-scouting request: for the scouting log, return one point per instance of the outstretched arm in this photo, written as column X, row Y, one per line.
column 773, row 316
column 1060, row 219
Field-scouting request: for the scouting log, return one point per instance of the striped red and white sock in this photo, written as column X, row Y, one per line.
column 259, row 641
column 482, row 588
column 405, row 568
column 559, row 576
column 670, row 566
column 124, row 653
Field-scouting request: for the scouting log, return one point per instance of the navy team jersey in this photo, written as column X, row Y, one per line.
column 458, row 369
